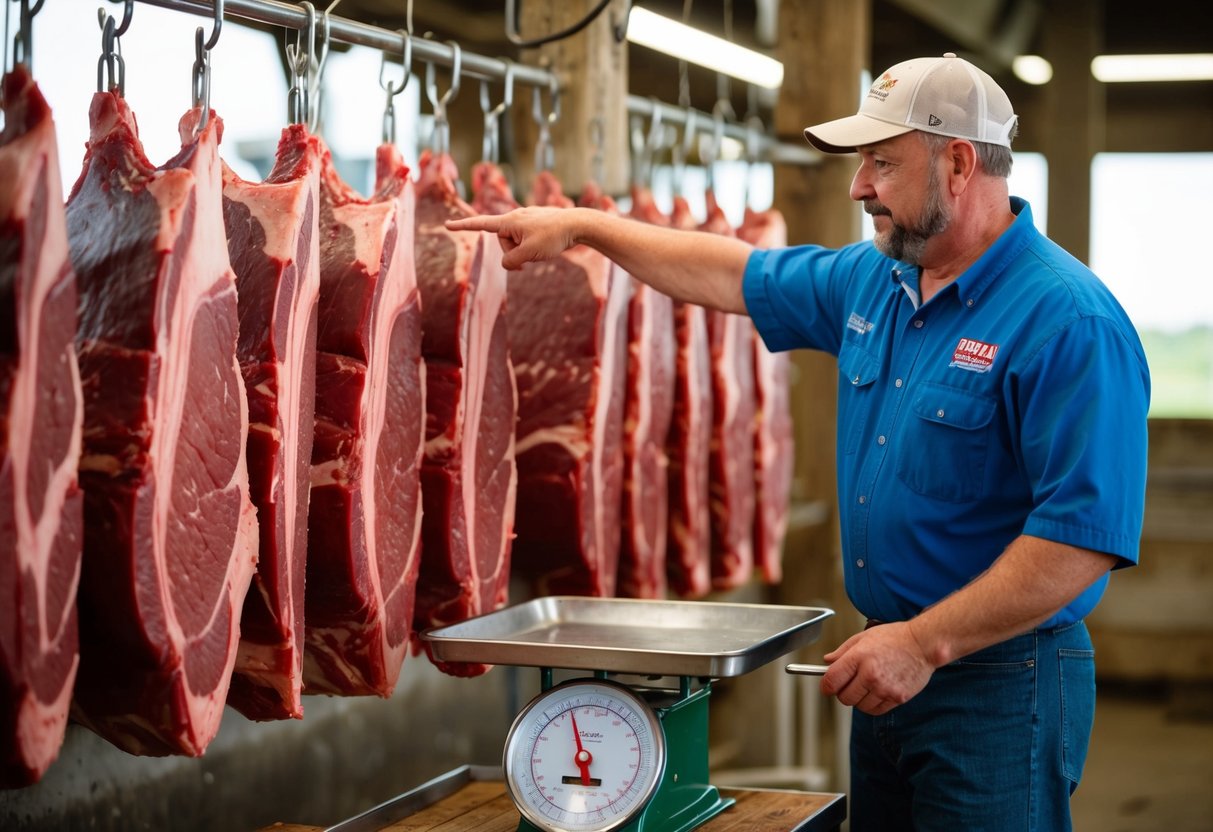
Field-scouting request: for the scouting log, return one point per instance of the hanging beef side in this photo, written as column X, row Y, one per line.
column 364, row 522
column 41, row 520
column 469, row 477
column 732, row 459
column 773, row 440
column 272, row 240
column 689, row 552
column 568, row 341
column 170, row 541
column 648, row 409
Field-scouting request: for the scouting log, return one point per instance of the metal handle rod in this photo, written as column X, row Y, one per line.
column 345, row 30
column 773, row 150
column 807, row 669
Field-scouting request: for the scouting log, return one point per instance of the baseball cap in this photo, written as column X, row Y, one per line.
column 948, row 96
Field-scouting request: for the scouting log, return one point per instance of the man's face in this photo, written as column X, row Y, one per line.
column 899, row 184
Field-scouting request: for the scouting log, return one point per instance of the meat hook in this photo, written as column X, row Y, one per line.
column 389, row 112
column 442, row 128
column 490, row 150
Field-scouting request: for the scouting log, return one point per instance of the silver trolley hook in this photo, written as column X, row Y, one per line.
column 392, row 90
column 545, row 154
column 491, row 147
column 111, row 50
column 202, row 67
column 441, row 141
column 299, row 58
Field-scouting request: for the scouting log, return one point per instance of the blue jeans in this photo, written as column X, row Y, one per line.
column 995, row 742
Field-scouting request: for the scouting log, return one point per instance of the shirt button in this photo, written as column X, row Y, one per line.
column 897, row 383
column 970, row 302
column 855, row 380
column 859, row 563
column 863, row 500
column 939, row 413
column 918, row 324
column 880, row 440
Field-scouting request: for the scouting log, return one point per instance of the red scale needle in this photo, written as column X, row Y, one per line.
column 582, row 758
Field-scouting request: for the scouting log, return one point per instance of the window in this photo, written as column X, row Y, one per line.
column 1147, row 215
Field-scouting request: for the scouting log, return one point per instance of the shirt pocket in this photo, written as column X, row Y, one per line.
column 859, row 370
column 943, row 451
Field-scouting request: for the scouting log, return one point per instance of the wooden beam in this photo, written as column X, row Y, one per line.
column 593, row 69
column 1074, row 108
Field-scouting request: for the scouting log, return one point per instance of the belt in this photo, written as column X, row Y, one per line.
column 872, row 622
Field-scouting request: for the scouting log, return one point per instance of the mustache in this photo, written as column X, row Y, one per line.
column 876, row 208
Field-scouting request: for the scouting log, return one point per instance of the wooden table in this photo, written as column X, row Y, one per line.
column 482, row 805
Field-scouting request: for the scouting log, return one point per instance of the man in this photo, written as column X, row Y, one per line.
column 991, row 443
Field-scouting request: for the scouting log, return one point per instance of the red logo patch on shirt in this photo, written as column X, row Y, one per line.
column 977, row 356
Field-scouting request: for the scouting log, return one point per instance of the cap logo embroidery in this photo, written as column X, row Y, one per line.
column 934, row 120
column 882, row 87
column 975, row 356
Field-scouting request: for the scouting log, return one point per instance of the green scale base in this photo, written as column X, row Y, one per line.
column 684, row 799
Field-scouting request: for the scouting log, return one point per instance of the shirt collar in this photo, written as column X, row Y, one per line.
column 978, row 277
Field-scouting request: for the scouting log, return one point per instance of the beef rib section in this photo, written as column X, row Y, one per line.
column 732, row 459
column 170, row 540
column 469, row 477
column 648, row 410
column 273, row 244
column 41, row 520
column 774, row 445
column 568, row 342
column 689, row 552
column 364, row 522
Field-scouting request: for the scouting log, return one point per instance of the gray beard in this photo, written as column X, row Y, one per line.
column 908, row 243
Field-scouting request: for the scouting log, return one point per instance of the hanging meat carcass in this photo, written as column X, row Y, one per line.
column 732, row 460
column 568, row 341
column 648, row 410
column 170, row 532
column 688, row 557
column 41, row 521
column 469, row 478
column 364, row 522
column 273, row 244
column 773, row 440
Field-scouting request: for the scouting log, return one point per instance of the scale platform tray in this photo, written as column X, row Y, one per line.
column 624, row 635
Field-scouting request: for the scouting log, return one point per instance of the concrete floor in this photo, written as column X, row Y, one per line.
column 1150, row 766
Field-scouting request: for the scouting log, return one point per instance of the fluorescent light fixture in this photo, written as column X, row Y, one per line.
column 698, row 47
column 1032, row 69
column 1190, row 67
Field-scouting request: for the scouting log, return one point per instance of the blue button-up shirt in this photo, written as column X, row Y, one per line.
column 1013, row 402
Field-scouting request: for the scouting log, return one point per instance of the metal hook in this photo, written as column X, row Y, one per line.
column 214, row 38
column 389, row 110
column 316, row 67
column 490, row 149
column 545, row 154
column 299, row 60
column 23, row 41
column 442, row 129
column 128, row 11
column 111, row 56
column 431, row 84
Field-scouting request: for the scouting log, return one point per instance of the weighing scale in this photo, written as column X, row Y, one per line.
column 624, row 754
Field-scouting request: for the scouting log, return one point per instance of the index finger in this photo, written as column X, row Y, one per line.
column 483, row 222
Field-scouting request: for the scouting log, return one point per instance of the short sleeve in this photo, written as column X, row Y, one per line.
column 1082, row 401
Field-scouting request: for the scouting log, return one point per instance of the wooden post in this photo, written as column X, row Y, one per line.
column 592, row 67
column 824, row 46
column 1074, row 106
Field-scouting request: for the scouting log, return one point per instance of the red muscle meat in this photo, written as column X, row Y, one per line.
column 170, row 541
column 688, row 558
column 469, row 478
column 648, row 410
column 40, row 422
column 272, row 241
column 364, row 522
column 773, row 441
column 568, row 342
column 732, row 464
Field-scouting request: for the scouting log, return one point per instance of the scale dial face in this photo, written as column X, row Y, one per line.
column 584, row 756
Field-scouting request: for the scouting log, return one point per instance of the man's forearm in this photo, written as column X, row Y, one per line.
column 692, row 266
column 1028, row 584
